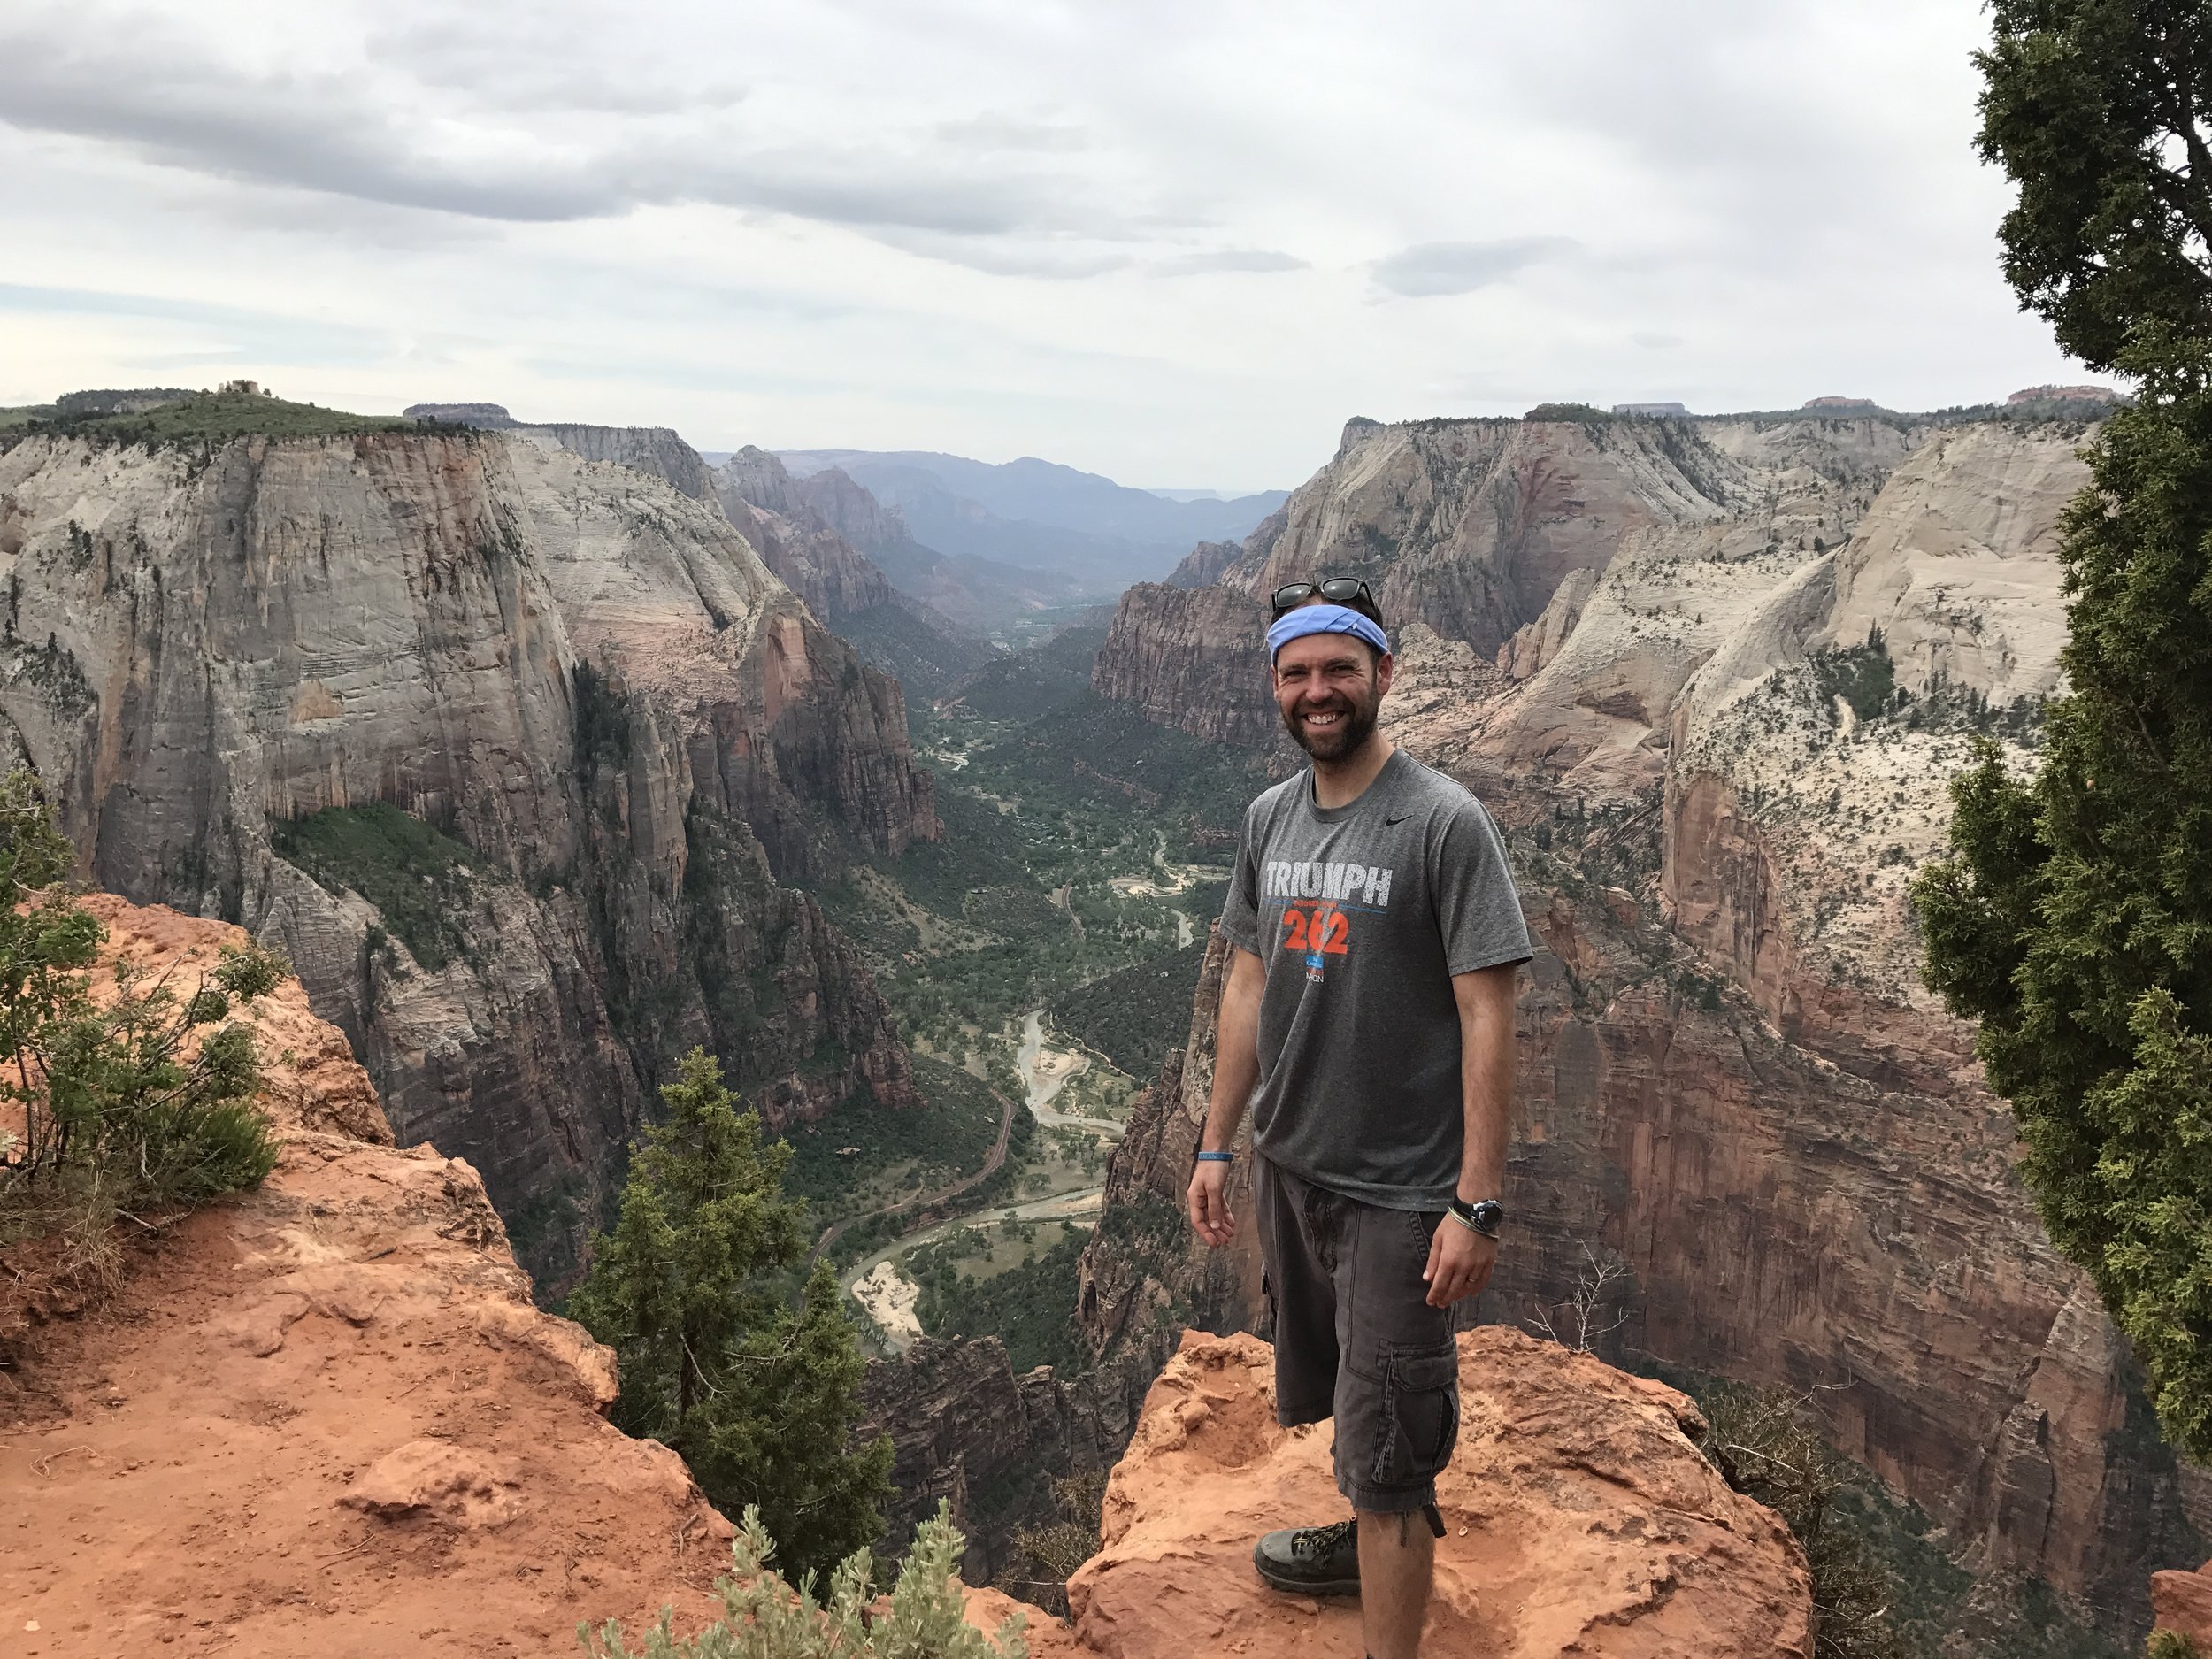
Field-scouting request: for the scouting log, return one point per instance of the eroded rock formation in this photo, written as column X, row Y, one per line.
column 584, row 677
column 807, row 552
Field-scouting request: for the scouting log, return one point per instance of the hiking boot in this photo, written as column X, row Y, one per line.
column 1311, row 1560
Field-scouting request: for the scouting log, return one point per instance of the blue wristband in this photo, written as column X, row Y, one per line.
column 1217, row 1157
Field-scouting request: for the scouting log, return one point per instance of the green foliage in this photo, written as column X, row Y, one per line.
column 2170, row 1644
column 145, row 1098
column 2096, row 110
column 948, row 1135
column 1029, row 1307
column 2074, row 920
column 1765, row 1448
column 1134, row 1016
column 1022, row 684
column 1093, row 755
column 1583, row 414
column 924, row 656
column 760, row 1400
column 765, row 1617
column 421, row 881
column 1861, row 675
column 218, row 418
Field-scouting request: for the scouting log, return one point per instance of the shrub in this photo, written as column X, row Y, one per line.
column 765, row 1617
column 1765, row 1448
column 145, row 1101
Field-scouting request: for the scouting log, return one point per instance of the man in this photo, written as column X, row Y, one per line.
column 1367, row 1021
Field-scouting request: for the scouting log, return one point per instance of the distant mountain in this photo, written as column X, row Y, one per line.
column 1038, row 515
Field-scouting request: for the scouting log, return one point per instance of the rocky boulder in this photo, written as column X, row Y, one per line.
column 2182, row 1604
column 1580, row 1518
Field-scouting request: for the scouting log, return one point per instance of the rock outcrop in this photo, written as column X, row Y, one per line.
column 806, row 530
column 658, row 451
column 324, row 1416
column 1580, row 1518
column 630, row 735
column 807, row 552
column 2182, row 1602
column 1192, row 658
column 1718, row 729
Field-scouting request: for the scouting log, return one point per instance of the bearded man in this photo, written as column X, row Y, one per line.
column 1367, row 1023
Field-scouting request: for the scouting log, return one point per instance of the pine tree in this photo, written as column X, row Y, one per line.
column 2074, row 920
column 760, row 1400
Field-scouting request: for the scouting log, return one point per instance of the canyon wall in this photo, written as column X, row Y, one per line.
column 1712, row 676
column 625, row 738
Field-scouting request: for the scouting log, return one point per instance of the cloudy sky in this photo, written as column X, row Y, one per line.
column 1178, row 244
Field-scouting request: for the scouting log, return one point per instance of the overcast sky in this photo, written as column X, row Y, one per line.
column 1175, row 243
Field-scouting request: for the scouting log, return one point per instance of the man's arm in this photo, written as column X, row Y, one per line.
column 1236, row 1069
column 1460, row 1259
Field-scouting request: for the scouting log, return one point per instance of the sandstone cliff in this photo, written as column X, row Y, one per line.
column 1165, row 641
column 324, row 1416
column 968, row 1431
column 804, row 549
column 626, row 735
column 1712, row 675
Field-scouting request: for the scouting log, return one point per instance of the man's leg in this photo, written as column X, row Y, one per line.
column 1397, row 1417
column 1397, row 1558
column 1298, row 1244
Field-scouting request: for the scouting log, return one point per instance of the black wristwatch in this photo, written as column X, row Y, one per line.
column 1485, row 1218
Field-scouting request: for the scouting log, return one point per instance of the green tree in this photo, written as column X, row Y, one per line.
column 142, row 1097
column 2074, row 919
column 2097, row 109
column 760, row 1399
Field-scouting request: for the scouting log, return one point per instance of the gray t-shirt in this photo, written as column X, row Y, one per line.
column 1360, row 916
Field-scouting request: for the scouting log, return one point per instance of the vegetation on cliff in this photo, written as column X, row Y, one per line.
column 759, row 1398
column 213, row 418
column 765, row 1617
column 111, row 1101
column 2074, row 919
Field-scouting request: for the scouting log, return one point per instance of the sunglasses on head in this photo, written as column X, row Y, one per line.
column 1338, row 590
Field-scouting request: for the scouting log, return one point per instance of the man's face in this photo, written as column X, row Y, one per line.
column 1329, row 688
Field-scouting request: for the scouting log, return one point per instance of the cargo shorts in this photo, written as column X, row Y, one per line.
column 1354, row 1338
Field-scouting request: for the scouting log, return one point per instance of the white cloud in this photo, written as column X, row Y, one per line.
column 1430, row 268
column 1142, row 239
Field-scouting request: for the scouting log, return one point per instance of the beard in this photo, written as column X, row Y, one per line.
column 1334, row 743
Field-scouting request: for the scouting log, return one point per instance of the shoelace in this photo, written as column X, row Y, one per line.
column 1322, row 1541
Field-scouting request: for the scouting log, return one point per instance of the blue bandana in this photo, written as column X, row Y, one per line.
column 1306, row 620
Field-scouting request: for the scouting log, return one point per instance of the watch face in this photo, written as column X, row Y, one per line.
column 1488, row 1214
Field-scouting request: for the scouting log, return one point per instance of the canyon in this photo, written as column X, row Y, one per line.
column 532, row 747
column 625, row 738
column 1711, row 677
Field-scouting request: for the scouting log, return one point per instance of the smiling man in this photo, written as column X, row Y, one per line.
column 1367, row 1023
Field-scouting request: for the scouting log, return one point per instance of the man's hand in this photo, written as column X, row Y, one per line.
column 1210, row 1202
column 1460, row 1260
